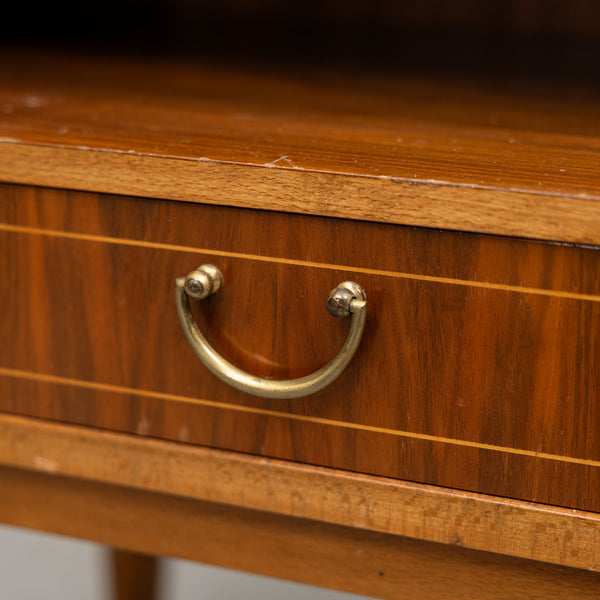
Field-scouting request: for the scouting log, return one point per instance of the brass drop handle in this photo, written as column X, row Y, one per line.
column 348, row 298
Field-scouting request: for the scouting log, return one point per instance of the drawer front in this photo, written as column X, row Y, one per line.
column 478, row 368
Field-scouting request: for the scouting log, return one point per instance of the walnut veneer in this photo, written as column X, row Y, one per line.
column 478, row 365
column 468, row 210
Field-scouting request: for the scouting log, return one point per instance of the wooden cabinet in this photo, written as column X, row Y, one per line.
column 469, row 211
column 479, row 359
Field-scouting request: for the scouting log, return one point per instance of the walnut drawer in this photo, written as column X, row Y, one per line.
column 478, row 369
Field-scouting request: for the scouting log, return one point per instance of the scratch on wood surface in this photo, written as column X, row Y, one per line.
column 143, row 427
column 34, row 101
column 283, row 158
column 45, row 464
column 184, row 434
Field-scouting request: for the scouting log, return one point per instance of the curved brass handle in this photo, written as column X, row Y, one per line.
column 348, row 298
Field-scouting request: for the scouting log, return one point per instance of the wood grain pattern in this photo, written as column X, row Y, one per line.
column 460, row 155
column 342, row 558
column 475, row 521
column 312, row 242
column 504, row 380
column 507, row 212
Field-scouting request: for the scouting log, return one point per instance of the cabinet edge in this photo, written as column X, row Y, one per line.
column 433, row 204
column 469, row 520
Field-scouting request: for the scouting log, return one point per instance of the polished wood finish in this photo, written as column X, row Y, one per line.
column 379, row 249
column 342, row 558
column 526, row 530
column 135, row 575
column 454, row 369
column 479, row 369
column 505, row 157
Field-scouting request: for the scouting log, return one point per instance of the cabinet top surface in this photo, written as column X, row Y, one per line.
column 505, row 157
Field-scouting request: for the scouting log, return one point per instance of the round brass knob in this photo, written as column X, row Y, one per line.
column 203, row 281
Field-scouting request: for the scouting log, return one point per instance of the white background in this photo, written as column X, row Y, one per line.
column 48, row 567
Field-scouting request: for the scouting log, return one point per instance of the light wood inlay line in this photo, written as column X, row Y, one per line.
column 447, row 516
column 301, row 263
column 104, row 387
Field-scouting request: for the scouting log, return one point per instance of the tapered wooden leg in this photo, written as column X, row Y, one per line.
column 135, row 576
